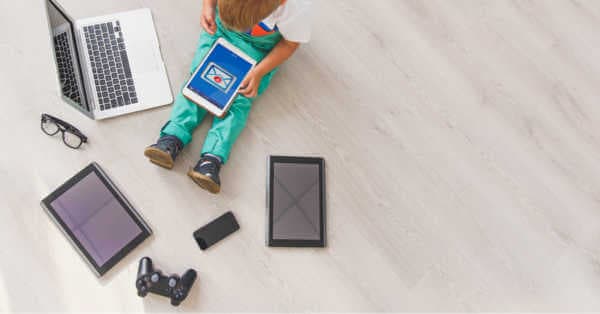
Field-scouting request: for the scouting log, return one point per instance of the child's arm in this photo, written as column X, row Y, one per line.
column 207, row 19
column 282, row 51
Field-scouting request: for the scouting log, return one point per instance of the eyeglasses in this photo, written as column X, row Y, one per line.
column 71, row 136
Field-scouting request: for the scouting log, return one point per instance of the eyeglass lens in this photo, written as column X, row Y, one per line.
column 71, row 139
column 49, row 127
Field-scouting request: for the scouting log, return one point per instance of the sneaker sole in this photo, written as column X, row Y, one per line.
column 159, row 157
column 204, row 182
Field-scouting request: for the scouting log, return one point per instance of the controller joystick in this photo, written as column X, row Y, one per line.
column 174, row 287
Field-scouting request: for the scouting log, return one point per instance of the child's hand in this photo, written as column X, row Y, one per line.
column 249, row 86
column 283, row 50
column 207, row 19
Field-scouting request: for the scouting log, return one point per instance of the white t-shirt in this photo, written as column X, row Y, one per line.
column 292, row 19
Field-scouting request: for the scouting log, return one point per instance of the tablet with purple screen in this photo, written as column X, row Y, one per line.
column 96, row 218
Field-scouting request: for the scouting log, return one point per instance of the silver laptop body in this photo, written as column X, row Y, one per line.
column 109, row 65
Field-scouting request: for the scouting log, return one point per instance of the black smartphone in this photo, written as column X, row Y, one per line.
column 216, row 230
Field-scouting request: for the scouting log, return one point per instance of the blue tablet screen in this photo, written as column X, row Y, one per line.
column 219, row 76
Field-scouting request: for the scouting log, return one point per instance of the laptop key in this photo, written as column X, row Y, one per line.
column 126, row 67
column 110, row 65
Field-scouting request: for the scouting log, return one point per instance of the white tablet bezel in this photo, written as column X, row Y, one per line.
column 205, row 103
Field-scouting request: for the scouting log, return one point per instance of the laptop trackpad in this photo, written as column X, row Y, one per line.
column 143, row 58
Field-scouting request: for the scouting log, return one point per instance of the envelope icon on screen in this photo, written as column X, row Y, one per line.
column 218, row 77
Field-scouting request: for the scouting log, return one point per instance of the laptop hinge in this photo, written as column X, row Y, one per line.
column 83, row 60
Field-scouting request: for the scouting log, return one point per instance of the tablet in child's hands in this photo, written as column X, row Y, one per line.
column 216, row 82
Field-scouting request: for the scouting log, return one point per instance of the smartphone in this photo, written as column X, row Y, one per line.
column 216, row 230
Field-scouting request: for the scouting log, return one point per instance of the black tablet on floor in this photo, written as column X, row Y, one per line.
column 96, row 218
column 296, row 201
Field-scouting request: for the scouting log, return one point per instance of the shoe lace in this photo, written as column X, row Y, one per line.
column 209, row 165
column 170, row 143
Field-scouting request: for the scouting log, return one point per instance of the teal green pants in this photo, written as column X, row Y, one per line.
column 186, row 116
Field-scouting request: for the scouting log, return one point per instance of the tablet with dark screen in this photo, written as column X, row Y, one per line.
column 296, row 201
column 96, row 218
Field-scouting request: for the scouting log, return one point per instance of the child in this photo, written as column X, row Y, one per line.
column 270, row 31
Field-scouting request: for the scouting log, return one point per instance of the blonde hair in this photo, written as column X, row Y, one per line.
column 241, row 15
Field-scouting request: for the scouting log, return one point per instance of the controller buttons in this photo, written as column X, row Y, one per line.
column 154, row 278
column 172, row 282
column 178, row 295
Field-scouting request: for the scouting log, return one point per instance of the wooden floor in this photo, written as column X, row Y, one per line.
column 462, row 141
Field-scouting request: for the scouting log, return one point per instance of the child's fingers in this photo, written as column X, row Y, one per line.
column 244, row 83
column 208, row 25
column 249, row 87
column 247, row 91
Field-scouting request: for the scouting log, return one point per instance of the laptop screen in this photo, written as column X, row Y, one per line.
column 67, row 58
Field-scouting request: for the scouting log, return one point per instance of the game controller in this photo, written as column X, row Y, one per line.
column 174, row 287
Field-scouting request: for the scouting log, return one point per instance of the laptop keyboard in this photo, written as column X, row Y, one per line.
column 110, row 65
column 66, row 70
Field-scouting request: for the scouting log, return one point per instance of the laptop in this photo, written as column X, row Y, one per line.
column 110, row 65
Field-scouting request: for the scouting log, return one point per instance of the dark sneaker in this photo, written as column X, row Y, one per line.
column 164, row 152
column 206, row 174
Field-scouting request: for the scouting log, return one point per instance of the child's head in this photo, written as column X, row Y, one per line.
column 241, row 15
